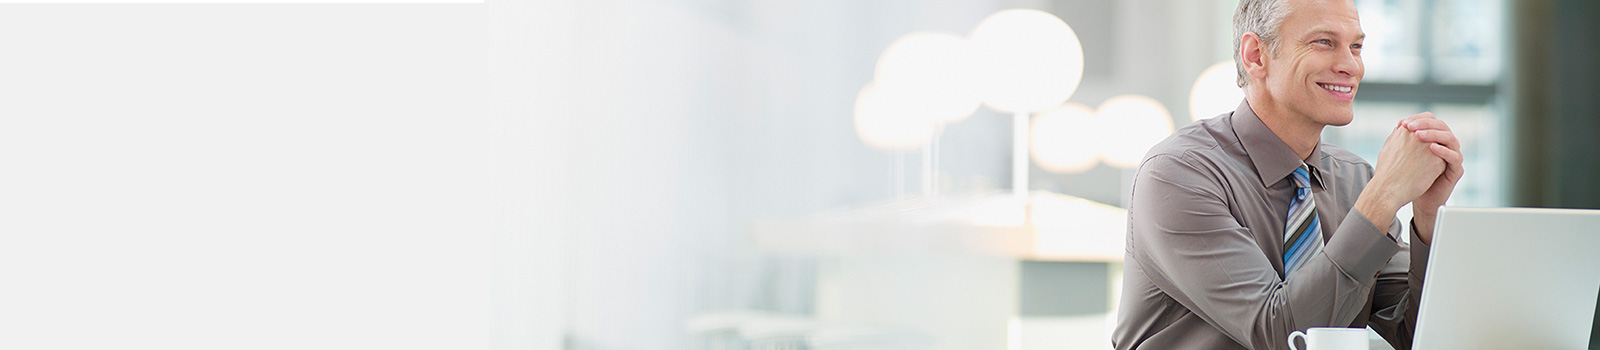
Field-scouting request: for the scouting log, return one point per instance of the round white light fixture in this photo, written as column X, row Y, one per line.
column 1134, row 123
column 1215, row 92
column 881, row 121
column 935, row 71
column 1066, row 140
column 1029, row 60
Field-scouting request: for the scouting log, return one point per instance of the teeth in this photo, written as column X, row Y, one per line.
column 1336, row 87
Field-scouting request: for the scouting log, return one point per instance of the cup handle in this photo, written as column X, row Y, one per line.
column 1291, row 339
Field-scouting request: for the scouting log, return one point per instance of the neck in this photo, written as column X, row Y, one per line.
column 1298, row 131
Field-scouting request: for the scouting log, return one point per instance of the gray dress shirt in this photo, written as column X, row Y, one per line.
column 1204, row 266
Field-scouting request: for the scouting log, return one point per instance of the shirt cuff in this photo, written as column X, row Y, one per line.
column 1359, row 248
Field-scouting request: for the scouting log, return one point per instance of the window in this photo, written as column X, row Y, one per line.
column 1442, row 56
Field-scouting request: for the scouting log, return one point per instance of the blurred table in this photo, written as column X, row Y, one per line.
column 1047, row 227
column 944, row 266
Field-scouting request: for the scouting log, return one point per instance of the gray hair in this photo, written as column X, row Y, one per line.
column 1263, row 17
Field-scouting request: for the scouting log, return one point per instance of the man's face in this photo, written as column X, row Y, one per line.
column 1317, row 66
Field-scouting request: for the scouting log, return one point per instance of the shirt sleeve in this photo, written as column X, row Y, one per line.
column 1184, row 234
column 1399, row 293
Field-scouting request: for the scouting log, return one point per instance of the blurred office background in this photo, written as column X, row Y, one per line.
column 687, row 174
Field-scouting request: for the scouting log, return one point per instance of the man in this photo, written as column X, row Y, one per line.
column 1246, row 227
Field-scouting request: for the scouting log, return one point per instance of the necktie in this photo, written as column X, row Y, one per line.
column 1302, row 236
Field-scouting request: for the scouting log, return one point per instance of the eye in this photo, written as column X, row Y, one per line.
column 1356, row 46
column 1324, row 42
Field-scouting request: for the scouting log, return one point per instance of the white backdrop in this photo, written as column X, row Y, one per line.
column 253, row 176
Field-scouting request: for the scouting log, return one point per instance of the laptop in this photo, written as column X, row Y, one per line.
column 1511, row 278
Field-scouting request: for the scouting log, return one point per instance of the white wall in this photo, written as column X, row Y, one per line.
column 263, row 176
column 507, row 174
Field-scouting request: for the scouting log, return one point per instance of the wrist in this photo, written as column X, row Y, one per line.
column 1422, row 223
column 1420, row 218
column 1379, row 197
column 1377, row 208
column 1419, row 211
column 1424, row 229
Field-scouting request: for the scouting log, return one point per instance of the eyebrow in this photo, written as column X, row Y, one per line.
column 1330, row 32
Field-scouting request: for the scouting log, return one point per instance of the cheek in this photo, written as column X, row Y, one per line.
column 1316, row 65
column 1307, row 67
column 1287, row 71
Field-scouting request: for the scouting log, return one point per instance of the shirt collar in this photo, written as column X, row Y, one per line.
column 1273, row 159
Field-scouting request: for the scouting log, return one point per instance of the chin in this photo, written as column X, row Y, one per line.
column 1338, row 118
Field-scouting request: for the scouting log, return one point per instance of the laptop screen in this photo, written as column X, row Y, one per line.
column 1594, row 335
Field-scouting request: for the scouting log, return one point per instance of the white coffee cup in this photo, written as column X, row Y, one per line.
column 1331, row 338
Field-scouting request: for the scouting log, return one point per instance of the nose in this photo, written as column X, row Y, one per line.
column 1349, row 64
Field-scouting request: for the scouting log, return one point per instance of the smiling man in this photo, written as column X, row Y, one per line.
column 1246, row 227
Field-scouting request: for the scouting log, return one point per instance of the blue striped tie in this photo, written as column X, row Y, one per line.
column 1302, row 236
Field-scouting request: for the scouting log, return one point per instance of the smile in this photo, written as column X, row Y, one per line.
column 1337, row 88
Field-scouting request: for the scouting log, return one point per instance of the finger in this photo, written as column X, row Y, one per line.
column 1398, row 131
column 1425, row 124
column 1449, row 155
column 1452, row 160
column 1446, row 138
column 1423, row 115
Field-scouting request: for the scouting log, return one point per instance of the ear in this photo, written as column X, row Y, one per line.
column 1254, row 54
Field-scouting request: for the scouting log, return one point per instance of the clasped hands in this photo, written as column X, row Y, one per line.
column 1420, row 163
